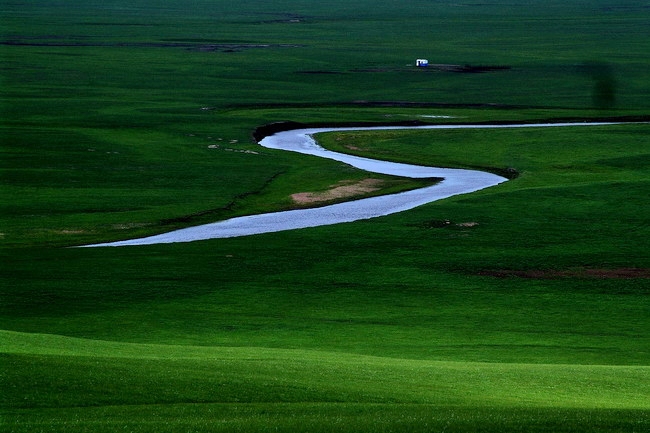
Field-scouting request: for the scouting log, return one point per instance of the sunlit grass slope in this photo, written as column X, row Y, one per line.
column 198, row 386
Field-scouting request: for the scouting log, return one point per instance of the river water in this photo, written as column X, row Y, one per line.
column 455, row 182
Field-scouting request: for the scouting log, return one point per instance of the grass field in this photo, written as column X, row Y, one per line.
column 522, row 308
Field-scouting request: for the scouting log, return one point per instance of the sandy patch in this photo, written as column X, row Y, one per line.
column 128, row 226
column 71, row 232
column 337, row 192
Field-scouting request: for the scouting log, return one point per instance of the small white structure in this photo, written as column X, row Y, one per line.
column 422, row 63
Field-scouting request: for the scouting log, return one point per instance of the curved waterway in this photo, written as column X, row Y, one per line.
column 455, row 182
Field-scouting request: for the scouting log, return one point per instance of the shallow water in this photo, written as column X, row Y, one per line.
column 456, row 181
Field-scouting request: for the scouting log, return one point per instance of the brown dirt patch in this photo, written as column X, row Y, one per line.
column 128, row 226
column 546, row 274
column 343, row 190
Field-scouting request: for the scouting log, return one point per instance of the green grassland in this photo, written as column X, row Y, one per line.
column 522, row 308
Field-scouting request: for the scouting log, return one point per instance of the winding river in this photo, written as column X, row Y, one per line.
column 455, row 182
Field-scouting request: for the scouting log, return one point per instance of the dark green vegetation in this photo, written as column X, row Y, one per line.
column 523, row 307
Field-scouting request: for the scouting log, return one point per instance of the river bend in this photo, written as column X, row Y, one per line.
column 455, row 182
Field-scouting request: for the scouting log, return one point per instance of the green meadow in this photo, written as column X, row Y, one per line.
column 522, row 308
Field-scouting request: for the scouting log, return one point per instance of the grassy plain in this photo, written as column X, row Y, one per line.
column 519, row 308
